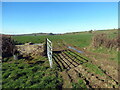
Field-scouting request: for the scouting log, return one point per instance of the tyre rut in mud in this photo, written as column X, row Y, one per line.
column 72, row 69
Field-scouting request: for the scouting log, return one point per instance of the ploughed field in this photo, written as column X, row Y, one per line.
column 79, row 71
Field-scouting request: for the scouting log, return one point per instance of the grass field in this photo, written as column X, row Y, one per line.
column 98, row 66
column 29, row 74
column 81, row 40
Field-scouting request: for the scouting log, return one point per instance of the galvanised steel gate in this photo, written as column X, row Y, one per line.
column 49, row 52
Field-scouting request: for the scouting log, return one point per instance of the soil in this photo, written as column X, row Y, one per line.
column 72, row 69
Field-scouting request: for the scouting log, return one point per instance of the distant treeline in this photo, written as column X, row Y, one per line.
column 36, row 34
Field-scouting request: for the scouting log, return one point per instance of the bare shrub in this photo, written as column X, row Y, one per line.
column 8, row 47
column 103, row 40
column 99, row 40
column 118, row 40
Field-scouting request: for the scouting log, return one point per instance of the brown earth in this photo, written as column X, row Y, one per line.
column 30, row 50
column 72, row 69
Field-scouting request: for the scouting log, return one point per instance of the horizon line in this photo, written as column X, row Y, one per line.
column 59, row 33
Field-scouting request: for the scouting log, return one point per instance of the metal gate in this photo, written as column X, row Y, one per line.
column 49, row 52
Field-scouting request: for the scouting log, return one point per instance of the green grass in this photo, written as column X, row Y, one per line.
column 80, row 84
column 19, row 74
column 80, row 40
column 93, row 68
column 111, row 33
column 113, row 54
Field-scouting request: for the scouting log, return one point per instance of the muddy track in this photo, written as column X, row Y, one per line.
column 108, row 76
column 109, row 68
column 75, row 71
column 71, row 61
column 106, row 71
column 82, row 58
column 67, row 80
column 96, row 81
column 102, row 79
column 58, row 65
column 70, row 65
column 59, row 61
column 74, row 57
column 63, row 60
